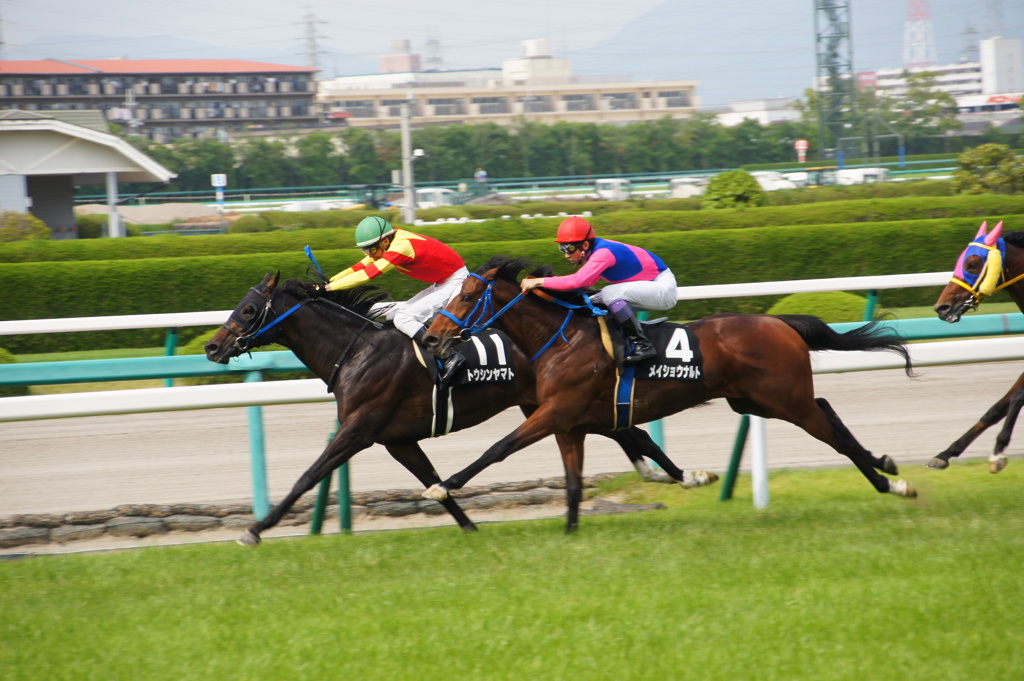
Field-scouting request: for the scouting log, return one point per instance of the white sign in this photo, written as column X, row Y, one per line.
column 801, row 145
column 219, row 180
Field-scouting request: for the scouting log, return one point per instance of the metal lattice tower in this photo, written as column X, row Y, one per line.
column 993, row 25
column 313, row 53
column 834, row 83
column 433, row 61
column 918, row 35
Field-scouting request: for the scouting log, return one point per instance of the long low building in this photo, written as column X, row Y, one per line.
column 166, row 98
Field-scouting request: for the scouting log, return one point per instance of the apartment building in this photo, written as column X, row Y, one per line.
column 536, row 87
column 166, row 99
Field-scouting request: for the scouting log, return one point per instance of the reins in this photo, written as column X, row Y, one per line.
column 474, row 322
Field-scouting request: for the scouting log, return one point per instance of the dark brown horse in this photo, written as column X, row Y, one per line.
column 759, row 363
column 384, row 393
column 991, row 262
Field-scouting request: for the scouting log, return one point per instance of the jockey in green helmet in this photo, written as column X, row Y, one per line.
column 421, row 257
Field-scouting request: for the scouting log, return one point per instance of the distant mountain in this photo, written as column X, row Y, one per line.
column 768, row 51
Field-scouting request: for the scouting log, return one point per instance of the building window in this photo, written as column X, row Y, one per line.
column 578, row 102
column 491, row 105
column 675, row 98
column 447, row 106
column 359, row 108
column 536, row 104
column 615, row 101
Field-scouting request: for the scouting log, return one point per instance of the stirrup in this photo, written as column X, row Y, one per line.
column 450, row 367
column 642, row 350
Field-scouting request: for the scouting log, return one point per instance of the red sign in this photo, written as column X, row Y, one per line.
column 801, row 145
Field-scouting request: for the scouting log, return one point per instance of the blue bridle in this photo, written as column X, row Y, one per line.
column 482, row 316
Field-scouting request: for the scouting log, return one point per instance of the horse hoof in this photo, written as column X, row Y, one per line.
column 997, row 463
column 435, row 492
column 902, row 488
column 249, row 538
column 697, row 479
column 889, row 466
column 937, row 464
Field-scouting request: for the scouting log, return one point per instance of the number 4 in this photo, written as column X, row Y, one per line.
column 679, row 346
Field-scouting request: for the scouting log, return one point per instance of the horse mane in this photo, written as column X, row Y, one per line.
column 509, row 267
column 359, row 299
column 1014, row 238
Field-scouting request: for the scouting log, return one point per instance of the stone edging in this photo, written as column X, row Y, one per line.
column 143, row 520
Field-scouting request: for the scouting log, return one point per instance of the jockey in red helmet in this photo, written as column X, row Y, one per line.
column 637, row 277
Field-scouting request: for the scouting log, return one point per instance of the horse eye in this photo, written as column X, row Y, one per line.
column 466, row 298
column 973, row 264
column 248, row 312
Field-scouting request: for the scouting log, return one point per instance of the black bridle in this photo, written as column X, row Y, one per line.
column 264, row 329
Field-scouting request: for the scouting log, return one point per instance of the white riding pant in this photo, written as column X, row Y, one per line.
column 660, row 294
column 413, row 314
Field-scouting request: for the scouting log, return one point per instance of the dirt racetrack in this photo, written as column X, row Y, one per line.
column 95, row 463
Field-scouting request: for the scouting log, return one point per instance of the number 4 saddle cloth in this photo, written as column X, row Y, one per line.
column 678, row 358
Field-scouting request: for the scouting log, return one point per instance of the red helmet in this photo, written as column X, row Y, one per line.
column 574, row 229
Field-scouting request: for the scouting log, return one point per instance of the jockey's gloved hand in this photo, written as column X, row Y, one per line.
column 314, row 291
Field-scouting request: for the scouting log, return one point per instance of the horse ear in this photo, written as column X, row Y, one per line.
column 275, row 279
column 994, row 236
column 982, row 230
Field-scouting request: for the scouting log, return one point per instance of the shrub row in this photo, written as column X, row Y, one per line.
column 628, row 219
column 697, row 257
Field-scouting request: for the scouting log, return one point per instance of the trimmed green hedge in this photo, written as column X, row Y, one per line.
column 627, row 220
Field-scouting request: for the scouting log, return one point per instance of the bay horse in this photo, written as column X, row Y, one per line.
column 383, row 392
column 759, row 363
column 991, row 262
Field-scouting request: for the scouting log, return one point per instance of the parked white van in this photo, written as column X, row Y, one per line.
column 432, row 197
column 613, row 189
column 687, row 187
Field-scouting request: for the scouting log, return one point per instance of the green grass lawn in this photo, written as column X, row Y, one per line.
column 831, row 581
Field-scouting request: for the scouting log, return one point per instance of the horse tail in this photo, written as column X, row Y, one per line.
column 872, row 337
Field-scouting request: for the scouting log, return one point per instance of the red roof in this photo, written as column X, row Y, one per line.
column 144, row 66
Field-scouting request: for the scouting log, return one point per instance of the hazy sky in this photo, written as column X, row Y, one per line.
column 738, row 49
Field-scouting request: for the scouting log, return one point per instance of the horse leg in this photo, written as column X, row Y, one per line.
column 637, row 443
column 340, row 449
column 570, row 445
column 997, row 461
column 542, row 423
column 824, row 424
column 995, row 414
column 416, row 462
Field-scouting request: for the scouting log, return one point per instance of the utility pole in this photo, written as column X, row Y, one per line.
column 835, row 79
column 408, row 200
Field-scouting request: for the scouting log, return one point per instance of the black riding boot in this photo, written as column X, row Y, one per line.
column 643, row 348
column 450, row 365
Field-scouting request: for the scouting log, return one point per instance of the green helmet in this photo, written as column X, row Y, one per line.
column 371, row 230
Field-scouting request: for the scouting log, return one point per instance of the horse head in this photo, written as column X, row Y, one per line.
column 976, row 275
column 485, row 295
column 244, row 329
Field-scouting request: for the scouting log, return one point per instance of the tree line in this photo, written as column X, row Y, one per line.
column 531, row 149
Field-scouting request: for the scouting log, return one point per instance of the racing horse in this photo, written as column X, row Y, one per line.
column 759, row 363
column 991, row 262
column 383, row 392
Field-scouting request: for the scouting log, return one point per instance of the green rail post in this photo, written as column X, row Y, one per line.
column 734, row 463
column 170, row 343
column 869, row 309
column 344, row 497
column 257, row 454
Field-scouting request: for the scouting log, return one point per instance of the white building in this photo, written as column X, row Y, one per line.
column 536, row 86
column 1002, row 66
column 764, row 111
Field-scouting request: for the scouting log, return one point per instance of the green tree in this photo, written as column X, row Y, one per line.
column 733, row 189
column 195, row 160
column 319, row 161
column 989, row 169
column 364, row 162
column 264, row 163
column 15, row 226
